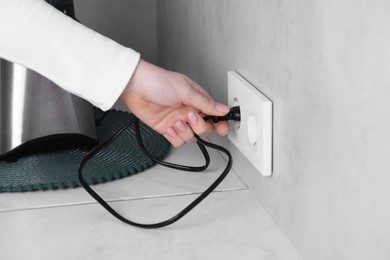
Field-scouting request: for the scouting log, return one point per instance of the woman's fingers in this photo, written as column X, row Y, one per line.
column 198, row 125
column 185, row 132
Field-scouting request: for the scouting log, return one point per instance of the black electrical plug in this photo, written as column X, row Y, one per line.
column 234, row 114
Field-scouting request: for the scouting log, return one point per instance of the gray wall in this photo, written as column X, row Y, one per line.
column 132, row 23
column 326, row 66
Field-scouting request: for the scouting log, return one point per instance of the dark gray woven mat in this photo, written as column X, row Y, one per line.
column 58, row 170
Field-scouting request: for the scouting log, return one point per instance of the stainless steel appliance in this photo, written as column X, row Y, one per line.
column 36, row 114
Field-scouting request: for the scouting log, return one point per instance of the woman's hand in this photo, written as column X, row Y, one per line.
column 172, row 104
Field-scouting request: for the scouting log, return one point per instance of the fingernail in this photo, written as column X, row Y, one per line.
column 192, row 117
column 222, row 108
column 180, row 126
column 171, row 132
column 225, row 133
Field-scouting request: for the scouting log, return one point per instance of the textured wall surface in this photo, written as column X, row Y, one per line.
column 132, row 23
column 326, row 66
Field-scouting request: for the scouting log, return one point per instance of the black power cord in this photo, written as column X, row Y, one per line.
column 234, row 114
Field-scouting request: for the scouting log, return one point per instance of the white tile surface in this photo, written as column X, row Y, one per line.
column 228, row 225
column 69, row 224
column 155, row 182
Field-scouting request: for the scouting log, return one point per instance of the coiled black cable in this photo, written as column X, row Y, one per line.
column 202, row 146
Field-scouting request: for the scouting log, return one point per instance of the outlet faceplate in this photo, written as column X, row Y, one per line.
column 253, row 135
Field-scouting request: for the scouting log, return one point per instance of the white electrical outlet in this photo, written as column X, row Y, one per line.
column 253, row 135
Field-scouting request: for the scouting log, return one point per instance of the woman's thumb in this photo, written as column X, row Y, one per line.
column 206, row 104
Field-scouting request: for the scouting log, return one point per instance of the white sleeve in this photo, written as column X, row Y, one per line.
column 83, row 62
